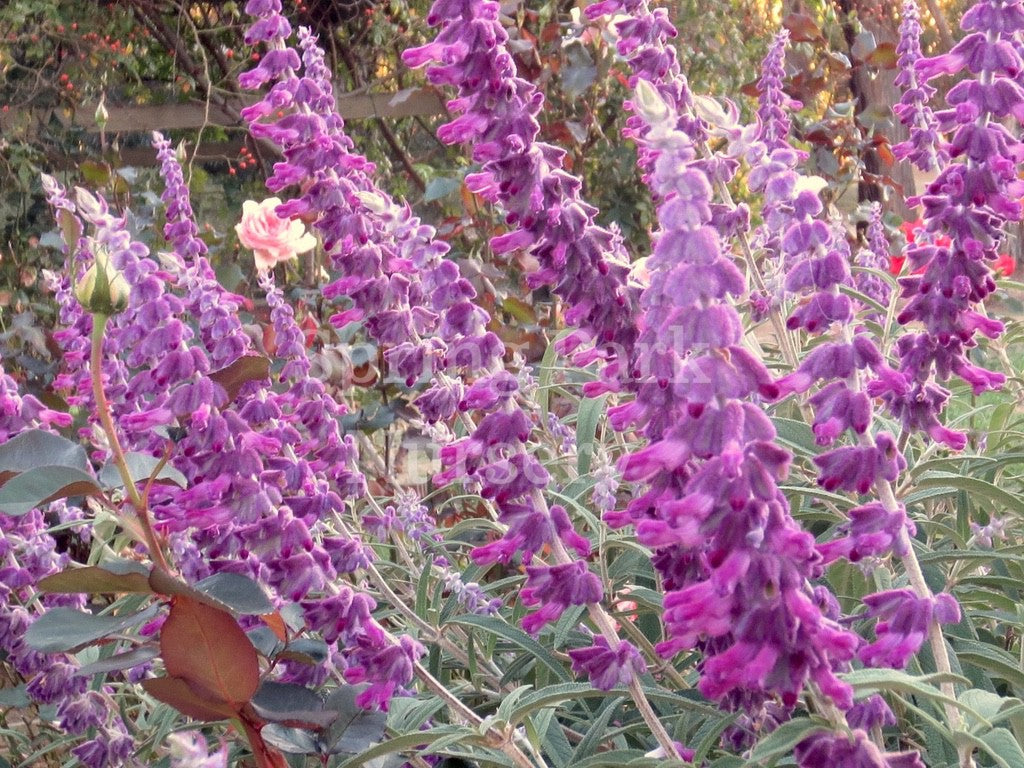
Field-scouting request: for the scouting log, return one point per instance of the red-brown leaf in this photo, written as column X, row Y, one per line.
column 177, row 692
column 206, row 647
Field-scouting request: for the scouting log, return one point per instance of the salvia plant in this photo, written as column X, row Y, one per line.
column 754, row 506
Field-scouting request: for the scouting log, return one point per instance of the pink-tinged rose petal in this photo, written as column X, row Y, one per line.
column 272, row 239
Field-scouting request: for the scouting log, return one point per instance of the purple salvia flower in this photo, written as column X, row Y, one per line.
column 586, row 264
column 903, row 622
column 733, row 560
column 874, row 256
column 78, row 714
column 394, row 274
column 190, row 750
column 773, row 103
column 109, row 747
column 970, row 201
column 924, row 147
column 644, row 40
column 215, row 309
column 773, row 172
column 378, row 282
column 870, row 712
column 471, row 595
column 28, row 553
column 872, row 531
column 555, row 588
column 816, row 259
column 57, row 682
column 608, row 668
column 392, row 269
column 830, row 750
column 252, row 492
column 565, row 434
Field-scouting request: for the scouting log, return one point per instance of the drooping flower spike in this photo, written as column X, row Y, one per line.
column 586, row 264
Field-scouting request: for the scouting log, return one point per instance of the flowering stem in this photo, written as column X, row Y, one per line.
column 606, row 626
column 915, row 577
column 99, row 325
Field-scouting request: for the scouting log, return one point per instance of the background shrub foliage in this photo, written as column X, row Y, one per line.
column 321, row 516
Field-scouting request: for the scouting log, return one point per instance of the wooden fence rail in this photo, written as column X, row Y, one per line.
column 192, row 115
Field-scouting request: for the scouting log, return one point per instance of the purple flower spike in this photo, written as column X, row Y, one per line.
column 409, row 298
column 925, row 147
column 970, row 202
column 733, row 561
column 773, row 103
column 586, row 264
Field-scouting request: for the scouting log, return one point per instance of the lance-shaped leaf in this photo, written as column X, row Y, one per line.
column 120, row 661
column 291, row 705
column 65, row 629
column 356, row 728
column 205, row 646
column 141, row 467
column 294, row 741
column 110, row 578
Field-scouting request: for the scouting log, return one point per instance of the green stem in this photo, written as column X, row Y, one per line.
column 99, row 325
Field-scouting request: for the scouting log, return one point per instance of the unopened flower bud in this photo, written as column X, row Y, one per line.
column 103, row 289
column 101, row 115
column 649, row 104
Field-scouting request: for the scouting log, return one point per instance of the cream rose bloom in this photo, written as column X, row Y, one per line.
column 271, row 238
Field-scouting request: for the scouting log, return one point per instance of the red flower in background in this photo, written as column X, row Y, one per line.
column 1004, row 266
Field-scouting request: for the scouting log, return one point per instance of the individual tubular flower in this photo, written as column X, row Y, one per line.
column 924, row 147
column 870, row 712
column 830, row 750
column 734, row 562
column 555, row 588
column 872, row 531
column 903, row 621
column 607, row 667
column 586, row 264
